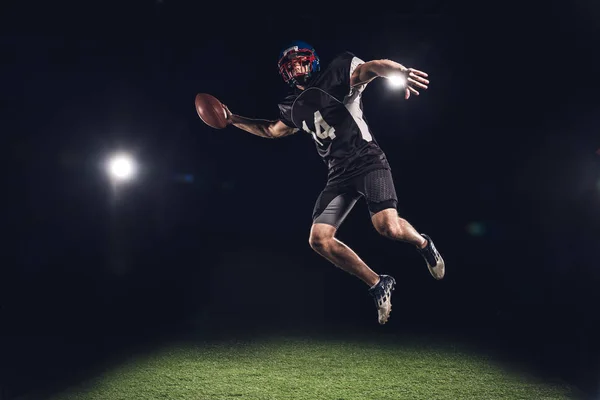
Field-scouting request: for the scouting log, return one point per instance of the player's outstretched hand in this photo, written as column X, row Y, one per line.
column 415, row 79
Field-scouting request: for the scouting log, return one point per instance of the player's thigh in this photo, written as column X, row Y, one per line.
column 333, row 205
column 379, row 190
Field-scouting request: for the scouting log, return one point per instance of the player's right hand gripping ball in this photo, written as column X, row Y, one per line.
column 211, row 111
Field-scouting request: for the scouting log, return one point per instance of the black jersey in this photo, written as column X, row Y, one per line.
column 332, row 112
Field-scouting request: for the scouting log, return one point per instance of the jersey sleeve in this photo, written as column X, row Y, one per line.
column 342, row 68
column 353, row 64
column 285, row 111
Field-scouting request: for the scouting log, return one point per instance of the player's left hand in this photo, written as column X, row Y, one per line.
column 415, row 79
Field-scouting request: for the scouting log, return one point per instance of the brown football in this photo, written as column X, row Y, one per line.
column 211, row 111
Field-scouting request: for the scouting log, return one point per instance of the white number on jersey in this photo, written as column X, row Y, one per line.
column 323, row 130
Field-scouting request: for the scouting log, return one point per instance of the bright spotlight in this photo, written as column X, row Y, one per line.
column 397, row 81
column 121, row 167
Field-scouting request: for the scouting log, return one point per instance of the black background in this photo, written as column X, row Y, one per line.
column 505, row 139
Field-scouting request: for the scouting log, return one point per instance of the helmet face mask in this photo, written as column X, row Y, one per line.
column 298, row 63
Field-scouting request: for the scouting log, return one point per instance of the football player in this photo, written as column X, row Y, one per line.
column 326, row 103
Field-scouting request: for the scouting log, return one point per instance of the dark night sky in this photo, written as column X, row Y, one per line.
column 506, row 137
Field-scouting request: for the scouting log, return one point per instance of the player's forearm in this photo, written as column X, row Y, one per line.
column 370, row 70
column 258, row 127
column 386, row 68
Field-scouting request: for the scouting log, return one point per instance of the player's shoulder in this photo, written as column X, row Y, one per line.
column 343, row 63
column 288, row 100
column 336, row 77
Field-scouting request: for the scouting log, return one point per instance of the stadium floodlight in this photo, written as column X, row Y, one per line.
column 121, row 167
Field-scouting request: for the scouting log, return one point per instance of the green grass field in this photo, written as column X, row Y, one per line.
column 290, row 368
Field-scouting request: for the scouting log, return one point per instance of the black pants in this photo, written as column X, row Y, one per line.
column 336, row 200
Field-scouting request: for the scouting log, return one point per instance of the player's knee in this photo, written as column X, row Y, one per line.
column 320, row 243
column 390, row 229
column 321, row 239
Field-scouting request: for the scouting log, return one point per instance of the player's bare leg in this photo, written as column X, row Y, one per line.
column 323, row 241
column 389, row 224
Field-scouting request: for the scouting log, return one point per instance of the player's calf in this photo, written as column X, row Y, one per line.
column 389, row 224
column 322, row 241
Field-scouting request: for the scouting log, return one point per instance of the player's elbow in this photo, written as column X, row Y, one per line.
column 269, row 133
column 370, row 69
column 364, row 73
column 278, row 129
column 274, row 133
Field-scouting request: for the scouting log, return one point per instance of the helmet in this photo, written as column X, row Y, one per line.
column 305, row 53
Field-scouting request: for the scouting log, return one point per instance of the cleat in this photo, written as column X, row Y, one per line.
column 435, row 262
column 382, row 294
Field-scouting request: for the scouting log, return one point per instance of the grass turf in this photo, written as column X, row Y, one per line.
column 291, row 368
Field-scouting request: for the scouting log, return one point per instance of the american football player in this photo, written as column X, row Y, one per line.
column 326, row 104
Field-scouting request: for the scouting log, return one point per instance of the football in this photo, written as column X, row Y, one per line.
column 211, row 111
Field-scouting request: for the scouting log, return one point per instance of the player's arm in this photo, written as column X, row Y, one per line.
column 260, row 127
column 366, row 72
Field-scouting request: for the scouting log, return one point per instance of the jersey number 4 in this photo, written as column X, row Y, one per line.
column 322, row 128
